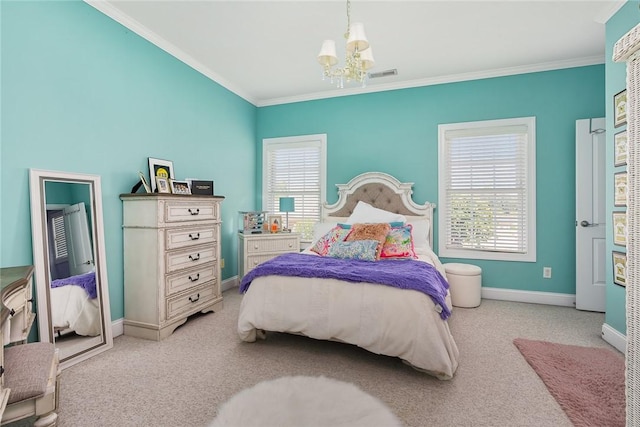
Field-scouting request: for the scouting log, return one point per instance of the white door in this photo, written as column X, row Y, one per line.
column 591, row 218
column 78, row 243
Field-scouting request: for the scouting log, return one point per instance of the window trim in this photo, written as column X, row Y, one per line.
column 530, row 253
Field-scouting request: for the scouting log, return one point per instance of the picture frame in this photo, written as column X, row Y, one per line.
column 620, row 108
column 619, row 265
column 180, row 187
column 275, row 223
column 162, row 184
column 620, row 228
column 161, row 168
column 620, row 189
column 145, row 184
column 620, row 148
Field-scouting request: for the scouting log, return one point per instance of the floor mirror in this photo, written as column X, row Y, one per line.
column 70, row 264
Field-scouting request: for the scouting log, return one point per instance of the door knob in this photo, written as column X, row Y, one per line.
column 586, row 223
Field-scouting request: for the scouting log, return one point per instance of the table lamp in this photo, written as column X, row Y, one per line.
column 287, row 204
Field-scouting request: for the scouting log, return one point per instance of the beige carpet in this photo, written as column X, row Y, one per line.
column 587, row 382
column 183, row 380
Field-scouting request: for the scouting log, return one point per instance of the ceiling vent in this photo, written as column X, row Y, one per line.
column 385, row 73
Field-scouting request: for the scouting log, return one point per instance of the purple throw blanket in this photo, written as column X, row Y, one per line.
column 86, row 281
column 402, row 274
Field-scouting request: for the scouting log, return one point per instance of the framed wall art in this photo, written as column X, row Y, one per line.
column 620, row 108
column 620, row 189
column 161, row 168
column 620, row 148
column 620, row 228
column 275, row 223
column 619, row 268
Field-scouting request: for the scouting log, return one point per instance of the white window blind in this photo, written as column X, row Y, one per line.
column 487, row 190
column 295, row 167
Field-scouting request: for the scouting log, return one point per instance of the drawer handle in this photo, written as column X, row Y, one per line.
column 196, row 278
column 12, row 312
column 194, row 212
column 255, row 262
column 255, row 246
column 1, row 370
column 196, row 299
column 197, row 236
column 290, row 245
column 194, row 259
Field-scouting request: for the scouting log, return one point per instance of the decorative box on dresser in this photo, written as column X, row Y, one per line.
column 171, row 261
column 254, row 249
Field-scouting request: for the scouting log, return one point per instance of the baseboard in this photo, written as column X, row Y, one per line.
column 615, row 338
column 533, row 297
column 117, row 326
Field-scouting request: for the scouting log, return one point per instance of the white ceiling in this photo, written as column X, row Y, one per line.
column 265, row 51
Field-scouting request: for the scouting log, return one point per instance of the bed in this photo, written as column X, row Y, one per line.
column 397, row 321
column 74, row 305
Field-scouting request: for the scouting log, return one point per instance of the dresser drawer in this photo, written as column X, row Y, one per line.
column 181, row 259
column 189, row 302
column 183, row 237
column 285, row 244
column 192, row 278
column 255, row 260
column 180, row 211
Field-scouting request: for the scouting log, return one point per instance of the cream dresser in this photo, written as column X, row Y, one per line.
column 171, row 261
column 254, row 249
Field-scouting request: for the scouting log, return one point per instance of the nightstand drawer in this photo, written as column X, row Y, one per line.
column 178, row 260
column 183, row 237
column 276, row 244
column 190, row 279
column 177, row 211
column 255, row 260
column 189, row 302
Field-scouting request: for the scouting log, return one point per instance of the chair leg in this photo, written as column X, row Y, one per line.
column 47, row 420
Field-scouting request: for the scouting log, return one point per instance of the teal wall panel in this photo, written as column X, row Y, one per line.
column 81, row 93
column 397, row 132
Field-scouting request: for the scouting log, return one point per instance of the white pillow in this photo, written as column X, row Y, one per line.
column 420, row 233
column 365, row 213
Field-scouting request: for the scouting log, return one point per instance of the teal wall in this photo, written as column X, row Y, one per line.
column 397, row 132
column 620, row 24
column 81, row 93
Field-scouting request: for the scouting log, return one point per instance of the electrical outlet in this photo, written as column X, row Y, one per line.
column 222, row 263
column 546, row 272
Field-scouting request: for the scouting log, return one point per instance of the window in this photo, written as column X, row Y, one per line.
column 295, row 167
column 487, row 190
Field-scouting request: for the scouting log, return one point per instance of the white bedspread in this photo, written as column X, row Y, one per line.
column 72, row 308
column 382, row 319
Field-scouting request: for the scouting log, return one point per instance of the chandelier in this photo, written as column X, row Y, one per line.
column 359, row 57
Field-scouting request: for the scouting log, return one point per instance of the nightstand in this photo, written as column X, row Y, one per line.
column 254, row 249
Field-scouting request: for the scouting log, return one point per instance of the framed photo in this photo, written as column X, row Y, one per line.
column 619, row 268
column 275, row 223
column 620, row 228
column 162, row 184
column 620, row 189
column 161, row 168
column 620, row 108
column 180, row 187
column 620, row 148
column 145, row 184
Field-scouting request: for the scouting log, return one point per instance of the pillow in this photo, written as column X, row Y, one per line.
column 365, row 213
column 336, row 234
column 322, row 228
column 364, row 250
column 377, row 232
column 420, row 233
column 398, row 243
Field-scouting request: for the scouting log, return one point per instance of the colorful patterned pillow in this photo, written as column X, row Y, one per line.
column 399, row 243
column 336, row 234
column 364, row 250
column 376, row 232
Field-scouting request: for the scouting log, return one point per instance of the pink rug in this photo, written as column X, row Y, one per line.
column 587, row 382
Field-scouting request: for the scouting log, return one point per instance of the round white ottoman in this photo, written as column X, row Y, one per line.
column 465, row 284
column 304, row 401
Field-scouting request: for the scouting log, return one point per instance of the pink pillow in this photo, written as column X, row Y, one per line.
column 399, row 243
column 336, row 234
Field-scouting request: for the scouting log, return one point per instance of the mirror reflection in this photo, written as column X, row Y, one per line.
column 70, row 272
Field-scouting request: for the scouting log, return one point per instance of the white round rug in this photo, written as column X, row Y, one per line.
column 304, row 401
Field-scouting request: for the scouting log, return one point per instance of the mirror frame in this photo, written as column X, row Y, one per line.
column 40, row 242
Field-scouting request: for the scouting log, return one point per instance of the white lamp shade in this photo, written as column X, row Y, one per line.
column 327, row 55
column 357, row 38
column 366, row 56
